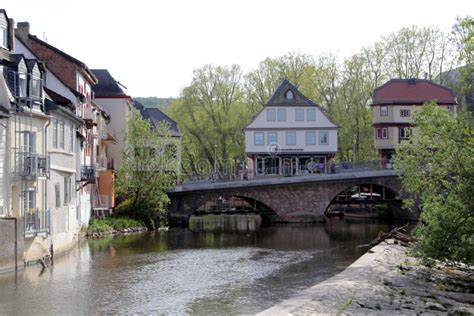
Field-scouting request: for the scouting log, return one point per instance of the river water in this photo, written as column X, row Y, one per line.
column 181, row 272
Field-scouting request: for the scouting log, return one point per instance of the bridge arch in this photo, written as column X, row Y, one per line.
column 361, row 197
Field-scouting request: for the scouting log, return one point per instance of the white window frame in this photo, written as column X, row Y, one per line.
column 308, row 142
column 383, row 110
column 67, row 190
column 384, row 132
column 62, row 138
column 271, row 115
column 404, row 131
column 299, row 118
column 323, row 138
column 271, row 135
column 57, row 194
column 289, row 95
column 404, row 112
column 262, row 143
column 288, row 139
column 36, row 93
column 54, row 136
column 71, row 138
column 4, row 35
column 281, row 115
column 311, row 117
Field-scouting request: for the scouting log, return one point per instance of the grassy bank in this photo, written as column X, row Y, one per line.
column 112, row 224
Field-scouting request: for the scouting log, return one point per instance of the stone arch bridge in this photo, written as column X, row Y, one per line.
column 293, row 199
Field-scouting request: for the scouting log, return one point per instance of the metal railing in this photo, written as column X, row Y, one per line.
column 300, row 171
column 32, row 165
column 101, row 202
column 37, row 222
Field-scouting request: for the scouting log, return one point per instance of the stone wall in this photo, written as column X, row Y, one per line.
column 8, row 245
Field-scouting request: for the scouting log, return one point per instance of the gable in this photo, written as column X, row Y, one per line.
column 288, row 95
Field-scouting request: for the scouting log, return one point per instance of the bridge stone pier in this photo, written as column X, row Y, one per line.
column 293, row 199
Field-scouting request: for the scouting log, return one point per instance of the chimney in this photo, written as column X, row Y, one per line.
column 11, row 34
column 22, row 31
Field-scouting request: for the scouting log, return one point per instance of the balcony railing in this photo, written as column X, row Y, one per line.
column 101, row 202
column 37, row 222
column 88, row 173
column 32, row 165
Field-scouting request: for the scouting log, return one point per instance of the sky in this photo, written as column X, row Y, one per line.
column 153, row 46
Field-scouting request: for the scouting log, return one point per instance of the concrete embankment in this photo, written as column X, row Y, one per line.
column 386, row 280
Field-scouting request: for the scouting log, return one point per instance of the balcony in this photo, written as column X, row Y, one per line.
column 32, row 165
column 37, row 222
column 88, row 173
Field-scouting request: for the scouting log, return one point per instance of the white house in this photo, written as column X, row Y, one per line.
column 290, row 136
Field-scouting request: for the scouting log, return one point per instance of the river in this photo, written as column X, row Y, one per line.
column 181, row 272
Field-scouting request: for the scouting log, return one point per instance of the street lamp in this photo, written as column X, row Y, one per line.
column 215, row 159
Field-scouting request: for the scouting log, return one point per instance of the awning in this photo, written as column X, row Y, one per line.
column 5, row 96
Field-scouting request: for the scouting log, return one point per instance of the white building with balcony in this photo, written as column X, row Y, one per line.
column 290, row 136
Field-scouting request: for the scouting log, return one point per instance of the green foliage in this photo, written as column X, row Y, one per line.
column 211, row 111
column 438, row 169
column 107, row 224
column 155, row 102
column 150, row 168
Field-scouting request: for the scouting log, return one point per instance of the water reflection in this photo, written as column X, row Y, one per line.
column 181, row 272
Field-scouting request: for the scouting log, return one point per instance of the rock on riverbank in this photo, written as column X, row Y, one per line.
column 112, row 232
column 386, row 280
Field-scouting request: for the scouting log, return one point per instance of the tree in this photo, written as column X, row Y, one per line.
column 212, row 111
column 150, row 168
column 464, row 37
column 437, row 167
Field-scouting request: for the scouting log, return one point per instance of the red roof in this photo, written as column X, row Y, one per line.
column 412, row 92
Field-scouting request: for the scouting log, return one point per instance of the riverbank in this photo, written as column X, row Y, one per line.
column 113, row 226
column 386, row 280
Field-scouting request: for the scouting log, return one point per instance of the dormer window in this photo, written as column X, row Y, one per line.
column 289, row 95
column 22, row 85
column 3, row 31
column 36, row 87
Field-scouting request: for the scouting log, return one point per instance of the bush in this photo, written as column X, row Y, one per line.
column 116, row 223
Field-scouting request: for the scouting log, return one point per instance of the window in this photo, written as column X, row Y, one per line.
column 323, row 138
column 67, row 190
column 54, row 135
column 404, row 113
column 57, row 193
column 291, row 138
column 3, row 35
column 382, row 133
column 299, row 115
column 29, row 200
column 71, row 138
column 271, row 115
column 405, row 133
column 36, row 87
column 22, row 85
column 310, row 138
column 311, row 115
column 272, row 138
column 450, row 109
column 61, row 134
column 281, row 115
column 289, row 95
column 383, row 110
column 259, row 139
column 29, row 142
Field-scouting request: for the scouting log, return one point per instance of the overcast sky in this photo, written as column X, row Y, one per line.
column 153, row 46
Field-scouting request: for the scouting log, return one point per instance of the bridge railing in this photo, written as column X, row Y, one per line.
column 300, row 171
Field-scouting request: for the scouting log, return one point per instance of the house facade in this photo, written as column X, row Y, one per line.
column 26, row 161
column 109, row 95
column 76, row 76
column 290, row 136
column 393, row 104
